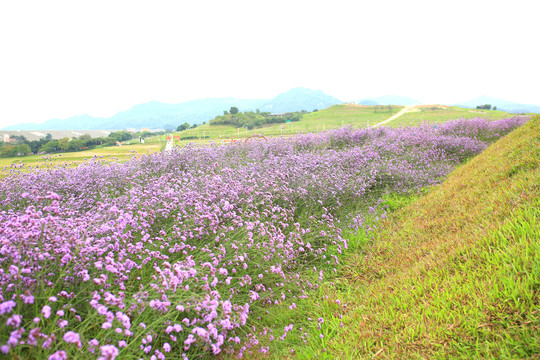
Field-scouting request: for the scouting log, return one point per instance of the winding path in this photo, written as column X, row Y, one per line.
column 405, row 110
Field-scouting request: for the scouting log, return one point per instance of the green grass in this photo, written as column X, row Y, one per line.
column 115, row 153
column 340, row 115
column 438, row 114
column 335, row 117
column 331, row 118
column 452, row 274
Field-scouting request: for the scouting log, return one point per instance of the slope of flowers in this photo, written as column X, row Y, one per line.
column 182, row 254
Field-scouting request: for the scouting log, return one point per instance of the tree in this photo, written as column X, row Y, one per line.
column 183, row 127
column 22, row 149
column 48, row 137
column 18, row 139
column 50, row 147
column 120, row 135
column 7, row 150
column 75, row 145
column 494, row 108
column 85, row 138
column 234, row 110
column 63, row 144
column 484, row 107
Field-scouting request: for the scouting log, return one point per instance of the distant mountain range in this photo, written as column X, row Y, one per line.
column 504, row 105
column 155, row 114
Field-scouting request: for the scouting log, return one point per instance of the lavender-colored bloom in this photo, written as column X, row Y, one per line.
column 46, row 311
column 108, row 352
column 233, row 230
column 72, row 337
column 59, row 355
column 14, row 321
column 93, row 342
column 7, row 306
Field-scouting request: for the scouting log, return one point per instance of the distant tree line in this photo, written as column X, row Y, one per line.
column 383, row 109
column 186, row 126
column 486, row 107
column 250, row 119
column 20, row 146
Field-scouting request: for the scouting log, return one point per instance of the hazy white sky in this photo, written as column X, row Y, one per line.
column 65, row 58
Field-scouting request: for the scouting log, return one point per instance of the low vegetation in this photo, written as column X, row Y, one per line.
column 337, row 116
column 454, row 274
column 226, row 250
column 438, row 114
column 14, row 166
column 20, row 146
column 251, row 120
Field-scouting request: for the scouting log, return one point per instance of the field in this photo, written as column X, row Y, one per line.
column 337, row 116
column 437, row 114
column 334, row 117
column 290, row 247
column 108, row 154
column 331, row 118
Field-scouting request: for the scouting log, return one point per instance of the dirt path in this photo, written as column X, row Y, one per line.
column 405, row 110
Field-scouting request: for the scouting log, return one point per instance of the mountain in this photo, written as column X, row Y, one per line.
column 300, row 99
column 504, row 105
column 389, row 100
column 78, row 122
column 156, row 114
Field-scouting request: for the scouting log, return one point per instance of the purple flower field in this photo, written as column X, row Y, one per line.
column 184, row 254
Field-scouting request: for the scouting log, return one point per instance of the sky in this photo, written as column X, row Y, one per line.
column 64, row 58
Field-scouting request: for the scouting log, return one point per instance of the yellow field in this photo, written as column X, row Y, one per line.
column 114, row 153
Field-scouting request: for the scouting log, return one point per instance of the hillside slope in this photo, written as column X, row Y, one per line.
column 455, row 274
column 357, row 116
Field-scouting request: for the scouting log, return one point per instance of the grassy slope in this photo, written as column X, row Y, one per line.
column 114, row 153
column 437, row 115
column 330, row 118
column 455, row 274
column 340, row 115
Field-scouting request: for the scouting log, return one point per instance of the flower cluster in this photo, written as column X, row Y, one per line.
column 177, row 252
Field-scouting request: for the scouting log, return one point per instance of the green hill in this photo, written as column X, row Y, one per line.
column 455, row 274
column 330, row 118
column 337, row 116
column 436, row 114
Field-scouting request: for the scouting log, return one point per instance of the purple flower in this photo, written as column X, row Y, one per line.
column 46, row 311
column 108, row 352
column 59, row 355
column 14, row 321
column 4, row 349
column 7, row 306
column 72, row 337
